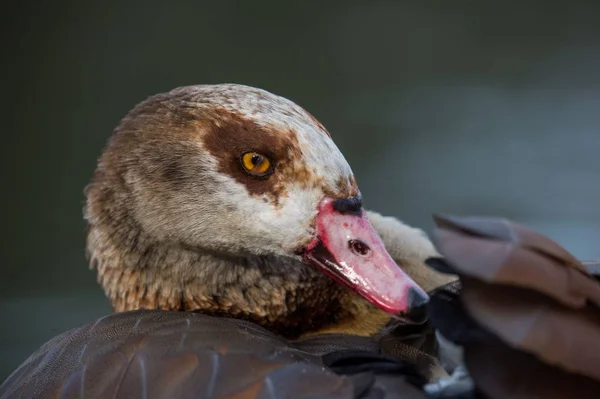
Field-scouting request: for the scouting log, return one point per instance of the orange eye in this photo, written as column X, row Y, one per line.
column 256, row 164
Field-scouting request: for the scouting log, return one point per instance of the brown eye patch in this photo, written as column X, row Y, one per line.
column 226, row 135
column 159, row 140
column 244, row 150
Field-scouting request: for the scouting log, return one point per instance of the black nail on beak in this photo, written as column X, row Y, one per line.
column 352, row 206
column 417, row 306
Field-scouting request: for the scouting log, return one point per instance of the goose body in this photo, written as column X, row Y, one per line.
column 228, row 233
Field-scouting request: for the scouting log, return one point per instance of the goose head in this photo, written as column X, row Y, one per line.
column 228, row 199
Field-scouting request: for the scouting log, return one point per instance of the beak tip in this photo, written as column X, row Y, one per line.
column 417, row 306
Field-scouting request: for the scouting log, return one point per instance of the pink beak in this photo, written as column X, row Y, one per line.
column 349, row 250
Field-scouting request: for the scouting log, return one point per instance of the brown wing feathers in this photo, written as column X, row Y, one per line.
column 156, row 354
column 160, row 354
column 528, row 310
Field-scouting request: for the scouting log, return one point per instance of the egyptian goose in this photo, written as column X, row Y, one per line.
column 234, row 207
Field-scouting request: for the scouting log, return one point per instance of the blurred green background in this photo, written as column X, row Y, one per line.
column 467, row 107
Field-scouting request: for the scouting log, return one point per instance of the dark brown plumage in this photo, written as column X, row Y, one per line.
column 528, row 312
column 158, row 354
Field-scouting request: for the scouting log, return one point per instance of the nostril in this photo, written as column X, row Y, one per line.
column 359, row 247
column 417, row 306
